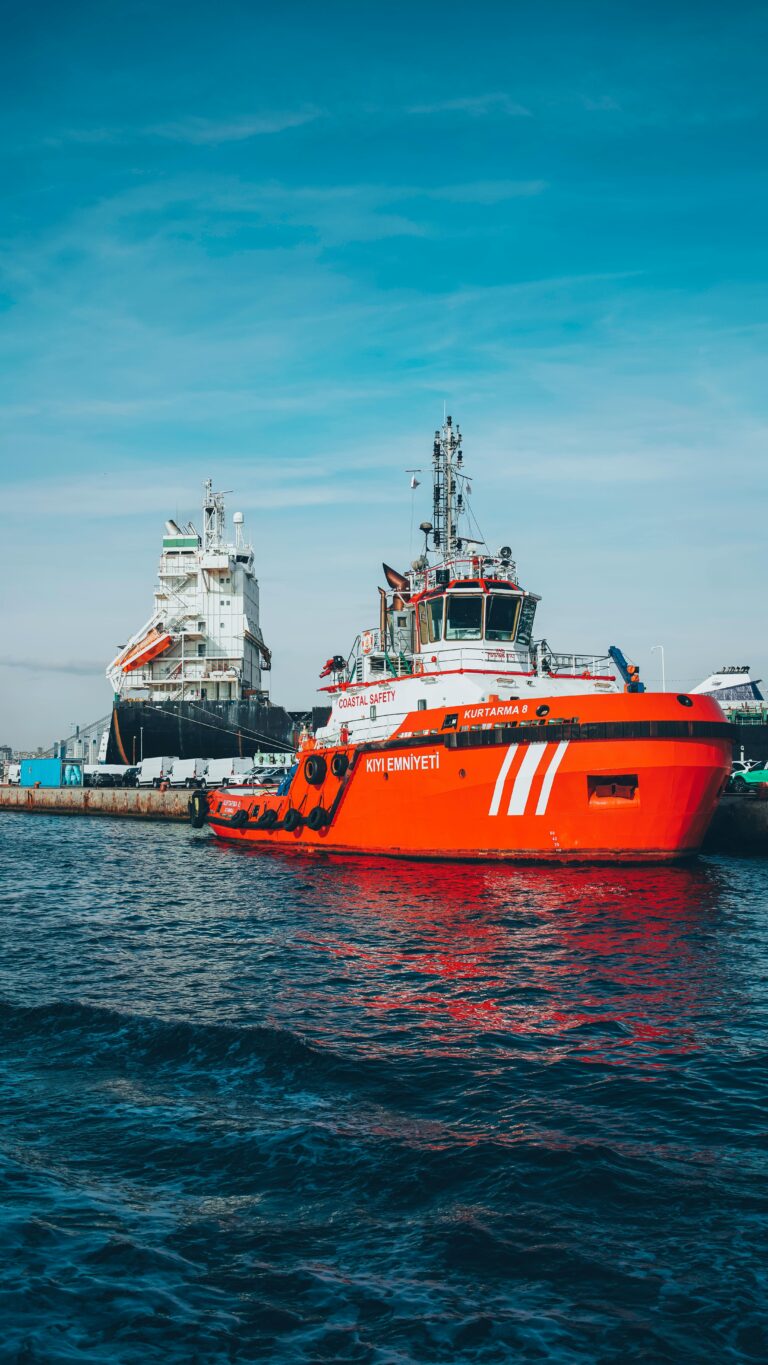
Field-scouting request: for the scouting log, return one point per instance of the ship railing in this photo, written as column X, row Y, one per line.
column 574, row 665
column 464, row 566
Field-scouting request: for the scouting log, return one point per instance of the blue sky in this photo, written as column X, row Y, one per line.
column 268, row 243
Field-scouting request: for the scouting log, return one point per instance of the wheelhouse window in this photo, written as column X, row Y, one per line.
column 527, row 613
column 500, row 617
column 464, row 617
column 431, row 620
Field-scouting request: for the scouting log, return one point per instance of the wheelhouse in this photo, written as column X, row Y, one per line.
column 473, row 611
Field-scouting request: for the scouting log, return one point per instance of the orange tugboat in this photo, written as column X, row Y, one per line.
column 453, row 733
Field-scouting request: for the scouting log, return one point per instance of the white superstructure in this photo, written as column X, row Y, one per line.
column 203, row 639
column 733, row 686
column 456, row 629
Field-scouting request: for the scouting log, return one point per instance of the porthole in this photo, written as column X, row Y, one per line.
column 683, row 700
column 542, row 710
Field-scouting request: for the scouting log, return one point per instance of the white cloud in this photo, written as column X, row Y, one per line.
column 200, row 131
column 189, row 129
column 496, row 104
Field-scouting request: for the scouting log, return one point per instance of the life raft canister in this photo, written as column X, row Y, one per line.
column 315, row 769
column 366, row 641
column 197, row 807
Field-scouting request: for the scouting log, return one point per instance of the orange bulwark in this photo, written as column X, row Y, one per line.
column 625, row 777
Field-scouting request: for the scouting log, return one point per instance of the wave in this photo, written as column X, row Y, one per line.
column 96, row 1035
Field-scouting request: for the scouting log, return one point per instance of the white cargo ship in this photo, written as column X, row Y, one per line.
column 190, row 680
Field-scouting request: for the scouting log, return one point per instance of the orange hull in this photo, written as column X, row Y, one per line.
column 632, row 778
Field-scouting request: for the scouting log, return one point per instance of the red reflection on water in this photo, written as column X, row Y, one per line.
column 595, row 960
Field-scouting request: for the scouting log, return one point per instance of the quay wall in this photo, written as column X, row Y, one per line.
column 136, row 802
column 740, row 825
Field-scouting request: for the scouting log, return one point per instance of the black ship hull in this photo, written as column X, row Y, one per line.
column 198, row 729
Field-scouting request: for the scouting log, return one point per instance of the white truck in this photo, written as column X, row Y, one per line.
column 14, row 774
column 224, row 772
column 189, row 772
column 153, row 771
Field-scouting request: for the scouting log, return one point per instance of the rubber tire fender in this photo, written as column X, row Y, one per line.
column 197, row 806
column 240, row 819
column 318, row 818
column 315, row 768
column 339, row 764
column 268, row 818
column 292, row 820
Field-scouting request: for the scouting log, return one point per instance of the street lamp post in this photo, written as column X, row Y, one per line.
column 663, row 670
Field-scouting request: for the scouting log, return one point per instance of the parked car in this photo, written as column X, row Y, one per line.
column 110, row 775
column 152, row 771
column 189, row 772
column 751, row 780
column 223, row 772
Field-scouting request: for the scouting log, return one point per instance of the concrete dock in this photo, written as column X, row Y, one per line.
column 135, row 802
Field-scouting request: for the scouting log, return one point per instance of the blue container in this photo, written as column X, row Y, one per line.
column 51, row 772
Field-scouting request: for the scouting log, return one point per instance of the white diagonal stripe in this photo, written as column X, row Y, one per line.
column 549, row 777
column 501, row 779
column 525, row 775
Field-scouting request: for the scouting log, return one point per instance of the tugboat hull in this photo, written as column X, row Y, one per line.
column 554, row 792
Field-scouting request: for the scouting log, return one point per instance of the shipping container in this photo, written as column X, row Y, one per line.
column 51, row 772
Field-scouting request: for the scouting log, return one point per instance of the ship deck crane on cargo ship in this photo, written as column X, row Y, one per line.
column 454, row 733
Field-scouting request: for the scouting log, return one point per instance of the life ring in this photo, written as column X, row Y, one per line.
column 315, row 769
column 292, row 820
column 318, row 818
column 197, row 806
column 339, row 764
column 366, row 641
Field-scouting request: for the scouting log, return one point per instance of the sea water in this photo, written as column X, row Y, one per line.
column 264, row 1107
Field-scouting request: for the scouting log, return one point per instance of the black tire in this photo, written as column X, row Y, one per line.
column 240, row 819
column 315, row 769
column 739, row 785
column 318, row 818
column 190, row 783
column 292, row 820
column 339, row 764
column 268, row 818
column 198, row 810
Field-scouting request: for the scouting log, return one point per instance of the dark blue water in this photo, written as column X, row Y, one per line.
column 255, row 1107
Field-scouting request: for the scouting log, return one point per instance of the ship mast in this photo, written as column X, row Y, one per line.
column 447, row 459
column 213, row 518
